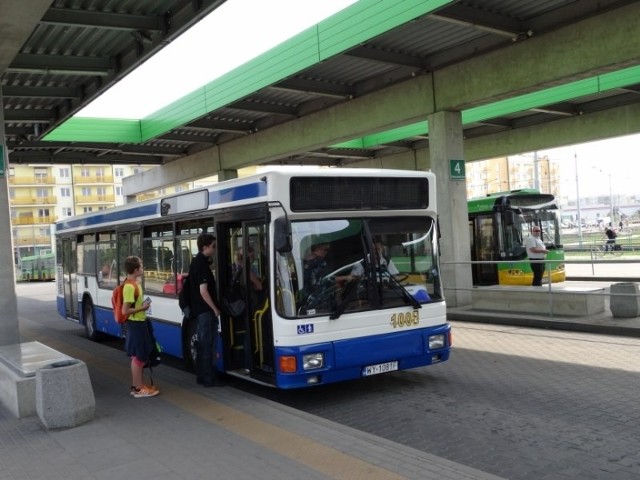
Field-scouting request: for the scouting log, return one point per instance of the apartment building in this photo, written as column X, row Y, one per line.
column 513, row 173
column 39, row 195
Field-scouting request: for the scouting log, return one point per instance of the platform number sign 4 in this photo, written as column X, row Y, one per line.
column 456, row 170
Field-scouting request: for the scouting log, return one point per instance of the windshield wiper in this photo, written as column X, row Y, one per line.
column 342, row 306
column 400, row 289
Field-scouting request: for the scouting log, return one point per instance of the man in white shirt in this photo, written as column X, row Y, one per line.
column 358, row 269
column 536, row 252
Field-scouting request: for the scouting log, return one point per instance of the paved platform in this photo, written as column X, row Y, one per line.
column 189, row 432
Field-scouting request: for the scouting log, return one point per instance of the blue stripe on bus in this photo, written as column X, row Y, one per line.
column 227, row 195
column 234, row 194
column 108, row 217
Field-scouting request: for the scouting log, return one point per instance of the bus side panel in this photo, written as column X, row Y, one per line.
column 345, row 359
column 519, row 272
column 62, row 308
column 169, row 336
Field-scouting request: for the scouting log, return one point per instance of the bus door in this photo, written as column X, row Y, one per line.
column 244, row 287
column 69, row 276
column 483, row 248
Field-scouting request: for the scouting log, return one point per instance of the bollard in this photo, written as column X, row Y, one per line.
column 624, row 301
column 64, row 396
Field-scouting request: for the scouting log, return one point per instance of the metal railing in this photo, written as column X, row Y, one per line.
column 590, row 276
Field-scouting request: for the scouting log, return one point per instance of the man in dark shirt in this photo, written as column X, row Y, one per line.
column 204, row 308
column 611, row 238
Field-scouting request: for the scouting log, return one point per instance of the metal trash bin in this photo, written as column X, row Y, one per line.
column 624, row 300
column 64, row 396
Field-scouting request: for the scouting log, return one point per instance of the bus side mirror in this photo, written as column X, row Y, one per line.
column 282, row 235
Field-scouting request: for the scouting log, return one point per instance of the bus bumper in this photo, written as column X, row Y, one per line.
column 349, row 359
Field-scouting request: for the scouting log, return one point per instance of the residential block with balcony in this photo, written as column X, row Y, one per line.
column 39, row 195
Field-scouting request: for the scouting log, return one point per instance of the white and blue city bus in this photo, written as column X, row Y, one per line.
column 363, row 313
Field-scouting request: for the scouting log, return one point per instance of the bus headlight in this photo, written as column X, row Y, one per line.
column 312, row 361
column 436, row 342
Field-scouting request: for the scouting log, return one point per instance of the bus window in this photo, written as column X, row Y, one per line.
column 157, row 257
column 107, row 273
column 87, row 254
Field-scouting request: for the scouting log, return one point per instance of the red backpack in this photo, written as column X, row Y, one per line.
column 116, row 301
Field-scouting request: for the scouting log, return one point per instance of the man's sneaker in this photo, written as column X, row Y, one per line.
column 144, row 391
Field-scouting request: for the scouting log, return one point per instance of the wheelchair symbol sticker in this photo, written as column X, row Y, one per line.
column 304, row 329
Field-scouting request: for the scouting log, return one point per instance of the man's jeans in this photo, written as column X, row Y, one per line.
column 206, row 348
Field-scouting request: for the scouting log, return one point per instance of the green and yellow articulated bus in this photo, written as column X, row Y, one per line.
column 499, row 224
column 40, row 267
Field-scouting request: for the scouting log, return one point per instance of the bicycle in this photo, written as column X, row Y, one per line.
column 609, row 248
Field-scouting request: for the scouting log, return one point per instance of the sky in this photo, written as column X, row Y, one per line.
column 617, row 157
column 231, row 35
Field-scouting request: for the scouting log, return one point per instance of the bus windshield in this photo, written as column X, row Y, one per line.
column 549, row 222
column 356, row 264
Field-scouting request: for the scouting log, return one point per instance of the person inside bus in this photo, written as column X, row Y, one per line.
column 138, row 342
column 315, row 267
column 238, row 265
column 204, row 308
column 536, row 251
column 317, row 282
column 104, row 275
column 385, row 264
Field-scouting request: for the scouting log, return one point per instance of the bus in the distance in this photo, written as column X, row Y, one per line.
column 343, row 275
column 41, row 267
column 499, row 224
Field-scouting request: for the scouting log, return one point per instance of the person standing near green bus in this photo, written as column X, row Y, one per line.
column 536, row 251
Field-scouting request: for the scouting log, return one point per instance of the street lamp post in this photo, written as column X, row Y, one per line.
column 575, row 157
column 610, row 201
column 610, row 196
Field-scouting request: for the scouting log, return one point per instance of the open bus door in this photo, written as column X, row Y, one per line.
column 483, row 248
column 243, row 274
column 69, row 277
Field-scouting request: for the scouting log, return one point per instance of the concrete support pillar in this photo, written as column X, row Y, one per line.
column 445, row 144
column 227, row 175
column 9, row 333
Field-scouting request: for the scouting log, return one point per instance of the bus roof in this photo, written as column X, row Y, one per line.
column 525, row 199
column 226, row 194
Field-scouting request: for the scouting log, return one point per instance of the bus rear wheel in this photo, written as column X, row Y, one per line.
column 90, row 321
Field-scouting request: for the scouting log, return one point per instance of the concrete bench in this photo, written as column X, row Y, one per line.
column 35, row 378
column 561, row 300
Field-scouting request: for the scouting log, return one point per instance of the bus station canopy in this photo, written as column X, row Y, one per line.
column 356, row 87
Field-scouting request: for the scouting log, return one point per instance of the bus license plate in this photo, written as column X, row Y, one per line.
column 380, row 368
